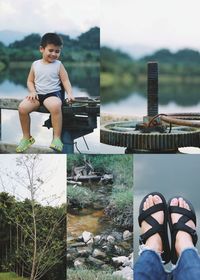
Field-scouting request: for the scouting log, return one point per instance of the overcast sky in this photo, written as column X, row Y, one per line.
column 155, row 24
column 69, row 16
column 53, row 167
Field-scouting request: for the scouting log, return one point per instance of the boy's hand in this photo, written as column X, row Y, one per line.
column 70, row 99
column 32, row 96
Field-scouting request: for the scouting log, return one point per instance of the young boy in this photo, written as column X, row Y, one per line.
column 44, row 84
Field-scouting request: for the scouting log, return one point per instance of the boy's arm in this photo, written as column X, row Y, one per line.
column 31, row 86
column 66, row 83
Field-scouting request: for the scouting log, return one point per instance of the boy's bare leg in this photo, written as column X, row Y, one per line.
column 53, row 105
column 25, row 108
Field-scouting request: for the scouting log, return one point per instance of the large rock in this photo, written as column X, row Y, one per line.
column 126, row 273
column 84, row 251
column 78, row 244
column 119, row 250
column 97, row 239
column 79, row 263
column 71, row 256
column 122, row 260
column 90, row 242
column 127, row 235
column 110, row 239
column 86, row 235
column 95, row 261
column 99, row 254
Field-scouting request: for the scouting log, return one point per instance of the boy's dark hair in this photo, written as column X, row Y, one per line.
column 51, row 38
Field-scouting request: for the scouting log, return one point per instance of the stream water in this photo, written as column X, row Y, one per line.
column 86, row 220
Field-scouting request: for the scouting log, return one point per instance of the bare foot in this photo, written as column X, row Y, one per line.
column 183, row 239
column 154, row 242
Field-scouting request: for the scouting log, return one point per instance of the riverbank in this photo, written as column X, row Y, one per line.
column 100, row 235
column 109, row 79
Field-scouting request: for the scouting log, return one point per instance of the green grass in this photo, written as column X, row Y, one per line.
column 81, row 195
column 122, row 198
column 108, row 79
column 84, row 274
column 10, row 276
column 2, row 66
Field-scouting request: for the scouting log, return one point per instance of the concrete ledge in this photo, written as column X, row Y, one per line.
column 6, row 148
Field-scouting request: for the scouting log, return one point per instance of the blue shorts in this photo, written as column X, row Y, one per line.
column 42, row 97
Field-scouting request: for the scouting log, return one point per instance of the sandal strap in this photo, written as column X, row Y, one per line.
column 157, row 229
column 181, row 224
column 155, row 226
column 147, row 213
column 187, row 213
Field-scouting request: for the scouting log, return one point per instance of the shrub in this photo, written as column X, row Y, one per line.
column 79, row 196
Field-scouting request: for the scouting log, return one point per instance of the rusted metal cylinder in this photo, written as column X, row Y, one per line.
column 152, row 88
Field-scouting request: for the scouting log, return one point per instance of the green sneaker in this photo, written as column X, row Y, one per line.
column 24, row 144
column 57, row 145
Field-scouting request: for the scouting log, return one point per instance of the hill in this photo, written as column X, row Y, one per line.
column 9, row 36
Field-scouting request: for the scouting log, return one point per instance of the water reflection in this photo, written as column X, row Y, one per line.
column 84, row 78
column 182, row 94
column 136, row 105
column 169, row 174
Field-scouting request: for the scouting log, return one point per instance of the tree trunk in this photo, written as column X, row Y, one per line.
column 33, row 270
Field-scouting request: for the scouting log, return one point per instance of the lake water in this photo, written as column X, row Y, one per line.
column 170, row 175
column 85, row 82
column 172, row 99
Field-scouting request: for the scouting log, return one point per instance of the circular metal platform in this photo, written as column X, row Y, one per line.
column 126, row 134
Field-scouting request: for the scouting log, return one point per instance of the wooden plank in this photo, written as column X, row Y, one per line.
column 81, row 106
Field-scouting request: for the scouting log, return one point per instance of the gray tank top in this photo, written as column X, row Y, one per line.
column 47, row 78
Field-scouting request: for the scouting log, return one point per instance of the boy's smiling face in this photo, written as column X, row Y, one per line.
column 50, row 53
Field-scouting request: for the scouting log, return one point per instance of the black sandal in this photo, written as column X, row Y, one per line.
column 181, row 225
column 161, row 229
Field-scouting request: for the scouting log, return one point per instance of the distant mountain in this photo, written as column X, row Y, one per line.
column 9, row 36
column 136, row 51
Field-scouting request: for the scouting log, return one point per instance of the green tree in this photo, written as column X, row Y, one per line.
column 39, row 230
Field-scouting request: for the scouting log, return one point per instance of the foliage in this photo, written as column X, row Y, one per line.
column 120, row 166
column 83, row 49
column 4, row 57
column 16, row 233
column 31, row 41
column 122, row 198
column 120, row 208
column 32, row 235
column 184, row 56
column 120, row 70
column 84, row 274
column 80, row 196
column 120, row 204
column 90, row 39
